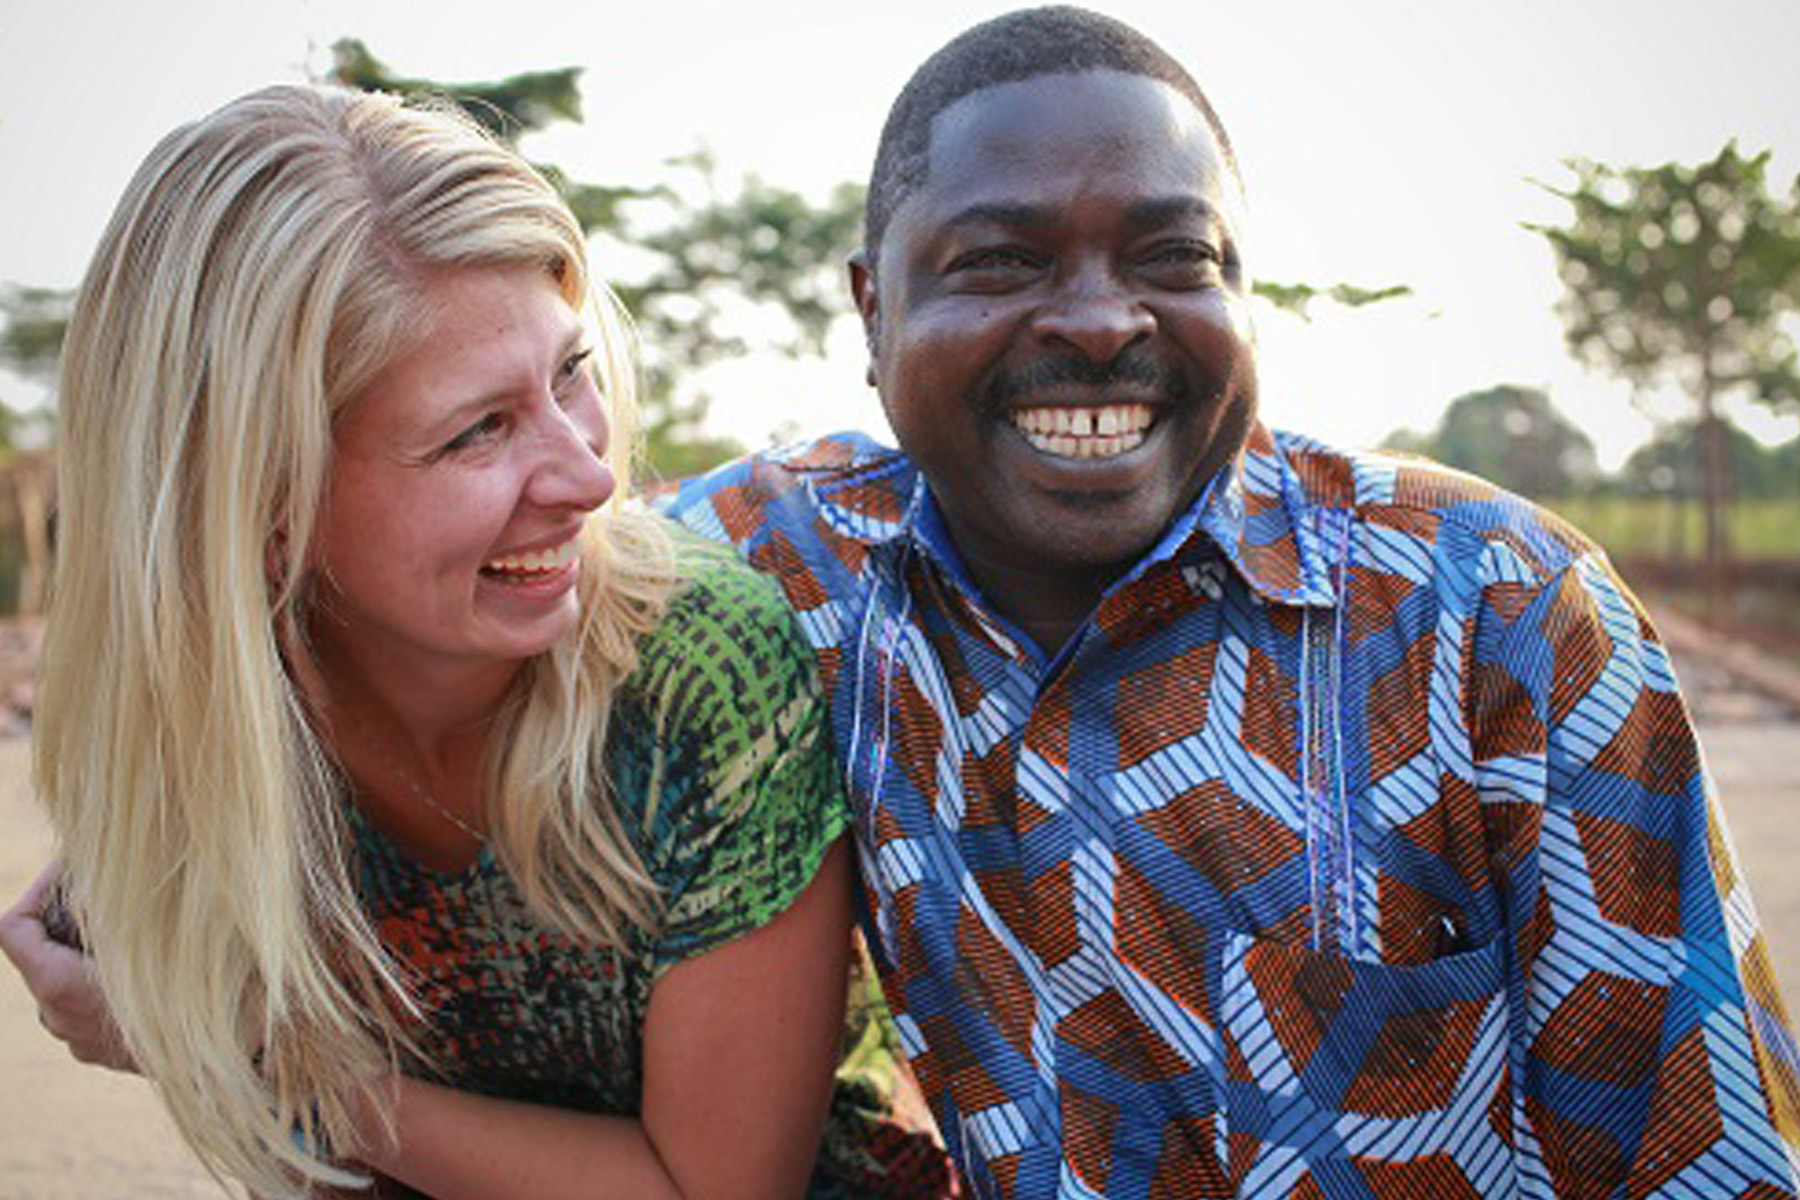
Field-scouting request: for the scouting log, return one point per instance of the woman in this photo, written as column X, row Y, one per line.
column 426, row 812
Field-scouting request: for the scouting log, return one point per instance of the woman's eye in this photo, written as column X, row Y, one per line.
column 573, row 368
column 487, row 427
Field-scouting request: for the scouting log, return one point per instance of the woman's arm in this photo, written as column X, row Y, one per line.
column 739, row 1048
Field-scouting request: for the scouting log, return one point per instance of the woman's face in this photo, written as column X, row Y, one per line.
column 460, row 480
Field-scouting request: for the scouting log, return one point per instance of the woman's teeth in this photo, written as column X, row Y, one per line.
column 536, row 562
column 1101, row 431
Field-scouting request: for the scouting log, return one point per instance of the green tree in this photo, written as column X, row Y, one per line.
column 1513, row 436
column 1665, row 465
column 758, row 268
column 763, row 264
column 508, row 108
column 30, row 341
column 1297, row 298
column 32, row 337
column 1685, row 274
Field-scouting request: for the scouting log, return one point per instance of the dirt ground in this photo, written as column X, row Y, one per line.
column 74, row 1133
column 69, row 1132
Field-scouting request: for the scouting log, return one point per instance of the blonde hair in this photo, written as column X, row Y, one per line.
column 263, row 265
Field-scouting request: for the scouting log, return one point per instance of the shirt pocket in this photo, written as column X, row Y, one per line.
column 1364, row 1078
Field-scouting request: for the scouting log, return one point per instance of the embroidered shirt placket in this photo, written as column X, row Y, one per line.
column 1330, row 840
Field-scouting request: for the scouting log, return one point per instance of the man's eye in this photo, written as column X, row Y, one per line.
column 1183, row 262
column 486, row 428
column 994, row 263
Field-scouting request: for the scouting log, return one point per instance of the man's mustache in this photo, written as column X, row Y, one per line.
column 1137, row 370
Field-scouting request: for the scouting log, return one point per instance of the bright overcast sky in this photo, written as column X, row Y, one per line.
column 1383, row 141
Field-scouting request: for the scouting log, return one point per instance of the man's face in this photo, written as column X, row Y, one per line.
column 1059, row 325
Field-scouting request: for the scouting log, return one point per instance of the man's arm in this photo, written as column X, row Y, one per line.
column 61, row 979
column 1650, row 1049
column 739, row 1047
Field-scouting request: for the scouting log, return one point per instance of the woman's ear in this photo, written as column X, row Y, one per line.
column 275, row 558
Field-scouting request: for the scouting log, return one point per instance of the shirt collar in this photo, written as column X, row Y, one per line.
column 1280, row 514
column 1276, row 513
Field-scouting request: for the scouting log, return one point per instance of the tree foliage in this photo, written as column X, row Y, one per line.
column 1513, row 436
column 507, row 108
column 32, row 338
column 1297, row 298
column 1685, row 275
column 1665, row 465
column 729, row 272
column 30, row 343
column 761, row 269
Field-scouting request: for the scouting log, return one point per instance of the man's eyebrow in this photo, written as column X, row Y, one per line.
column 999, row 214
column 1156, row 210
column 1162, row 210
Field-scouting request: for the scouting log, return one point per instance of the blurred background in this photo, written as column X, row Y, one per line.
column 1555, row 244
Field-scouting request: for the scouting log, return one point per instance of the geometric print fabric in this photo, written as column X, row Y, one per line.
column 1358, row 846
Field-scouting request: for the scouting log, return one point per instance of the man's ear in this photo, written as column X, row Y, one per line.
column 863, row 291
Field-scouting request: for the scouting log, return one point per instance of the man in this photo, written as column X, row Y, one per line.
column 1237, row 817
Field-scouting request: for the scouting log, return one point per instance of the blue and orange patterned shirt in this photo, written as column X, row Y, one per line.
column 1358, row 845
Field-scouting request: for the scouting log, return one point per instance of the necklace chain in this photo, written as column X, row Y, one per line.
column 418, row 791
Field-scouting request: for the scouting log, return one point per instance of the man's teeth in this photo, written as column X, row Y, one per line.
column 553, row 559
column 1101, row 431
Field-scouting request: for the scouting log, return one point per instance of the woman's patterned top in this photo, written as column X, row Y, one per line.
column 722, row 769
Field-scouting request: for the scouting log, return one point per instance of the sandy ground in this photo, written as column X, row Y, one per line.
column 69, row 1132
column 74, row 1133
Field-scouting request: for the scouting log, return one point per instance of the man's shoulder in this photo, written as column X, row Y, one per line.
column 843, row 481
column 1425, row 504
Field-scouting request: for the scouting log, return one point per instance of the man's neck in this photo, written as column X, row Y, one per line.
column 1048, row 607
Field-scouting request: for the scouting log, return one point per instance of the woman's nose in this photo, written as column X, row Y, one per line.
column 573, row 472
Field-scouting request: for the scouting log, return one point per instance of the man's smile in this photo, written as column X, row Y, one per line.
column 1087, row 431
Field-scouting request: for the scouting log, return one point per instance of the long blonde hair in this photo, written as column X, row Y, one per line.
column 263, row 265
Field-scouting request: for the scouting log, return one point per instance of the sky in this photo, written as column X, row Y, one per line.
column 1382, row 142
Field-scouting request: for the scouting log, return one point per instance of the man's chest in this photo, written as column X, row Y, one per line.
column 1227, row 759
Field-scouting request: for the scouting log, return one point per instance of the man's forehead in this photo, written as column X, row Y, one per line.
column 1037, row 131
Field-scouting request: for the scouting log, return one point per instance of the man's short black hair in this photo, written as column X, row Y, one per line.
column 1056, row 40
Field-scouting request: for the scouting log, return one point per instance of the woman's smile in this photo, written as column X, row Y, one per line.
column 463, row 477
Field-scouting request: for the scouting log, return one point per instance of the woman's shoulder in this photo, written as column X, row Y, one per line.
column 720, row 747
column 725, row 619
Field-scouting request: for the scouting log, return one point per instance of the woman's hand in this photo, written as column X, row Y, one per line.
column 62, row 980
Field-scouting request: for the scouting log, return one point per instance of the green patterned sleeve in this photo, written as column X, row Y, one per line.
column 723, row 740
